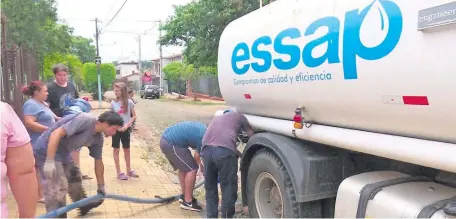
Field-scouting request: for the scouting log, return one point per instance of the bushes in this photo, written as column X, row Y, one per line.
column 90, row 78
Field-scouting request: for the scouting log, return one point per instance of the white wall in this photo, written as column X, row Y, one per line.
column 127, row 69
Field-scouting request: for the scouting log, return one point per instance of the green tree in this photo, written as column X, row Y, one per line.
column 174, row 72
column 90, row 77
column 190, row 73
column 32, row 24
column 83, row 48
column 198, row 26
column 70, row 60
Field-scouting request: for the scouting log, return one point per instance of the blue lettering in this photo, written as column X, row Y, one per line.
column 351, row 46
column 265, row 55
column 331, row 38
column 292, row 50
column 235, row 58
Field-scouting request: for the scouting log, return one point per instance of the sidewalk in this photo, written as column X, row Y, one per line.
column 152, row 181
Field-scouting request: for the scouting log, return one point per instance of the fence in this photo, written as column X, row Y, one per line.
column 18, row 66
column 206, row 85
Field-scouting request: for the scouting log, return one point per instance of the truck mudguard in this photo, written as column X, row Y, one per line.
column 316, row 170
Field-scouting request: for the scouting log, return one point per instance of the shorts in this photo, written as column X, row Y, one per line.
column 180, row 158
column 123, row 137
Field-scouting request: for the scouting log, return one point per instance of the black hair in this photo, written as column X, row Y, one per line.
column 112, row 118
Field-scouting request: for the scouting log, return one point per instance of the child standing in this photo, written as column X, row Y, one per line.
column 125, row 107
column 131, row 94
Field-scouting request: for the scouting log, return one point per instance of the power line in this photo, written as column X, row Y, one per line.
column 124, row 21
column 112, row 7
column 128, row 32
column 153, row 27
column 114, row 15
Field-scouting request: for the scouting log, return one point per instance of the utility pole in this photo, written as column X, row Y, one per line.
column 261, row 3
column 98, row 62
column 161, row 54
column 140, row 64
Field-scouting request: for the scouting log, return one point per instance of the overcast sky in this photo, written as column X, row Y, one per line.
column 133, row 18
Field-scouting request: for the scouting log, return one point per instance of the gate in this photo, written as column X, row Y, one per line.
column 19, row 67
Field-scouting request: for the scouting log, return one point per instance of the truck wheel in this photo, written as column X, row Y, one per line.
column 270, row 192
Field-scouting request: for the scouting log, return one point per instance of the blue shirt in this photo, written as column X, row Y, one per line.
column 43, row 115
column 186, row 134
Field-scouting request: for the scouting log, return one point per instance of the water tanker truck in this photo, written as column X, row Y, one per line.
column 353, row 105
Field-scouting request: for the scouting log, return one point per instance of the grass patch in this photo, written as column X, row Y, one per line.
column 161, row 161
column 190, row 102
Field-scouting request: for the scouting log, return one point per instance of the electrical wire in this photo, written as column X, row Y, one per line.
column 128, row 32
column 110, row 9
column 114, row 15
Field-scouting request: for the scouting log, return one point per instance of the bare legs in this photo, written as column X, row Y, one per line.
column 182, row 181
column 116, row 160
column 127, row 158
column 40, row 190
column 189, row 184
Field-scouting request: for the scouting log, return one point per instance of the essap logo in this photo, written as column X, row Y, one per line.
column 351, row 45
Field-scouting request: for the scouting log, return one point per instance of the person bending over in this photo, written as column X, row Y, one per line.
column 52, row 152
column 220, row 157
column 174, row 144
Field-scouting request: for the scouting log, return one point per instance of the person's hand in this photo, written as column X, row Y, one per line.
column 101, row 189
column 49, row 168
column 123, row 128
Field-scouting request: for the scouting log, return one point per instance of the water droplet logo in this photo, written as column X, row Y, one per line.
column 390, row 13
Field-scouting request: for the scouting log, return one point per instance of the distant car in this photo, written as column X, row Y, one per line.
column 152, row 91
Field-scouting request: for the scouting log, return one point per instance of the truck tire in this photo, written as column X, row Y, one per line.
column 270, row 192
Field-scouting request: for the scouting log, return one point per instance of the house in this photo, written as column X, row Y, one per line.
column 155, row 70
column 124, row 69
column 166, row 60
column 128, row 72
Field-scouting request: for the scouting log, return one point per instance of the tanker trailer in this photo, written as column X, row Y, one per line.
column 353, row 105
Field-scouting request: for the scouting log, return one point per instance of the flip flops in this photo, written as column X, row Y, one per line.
column 122, row 176
column 133, row 174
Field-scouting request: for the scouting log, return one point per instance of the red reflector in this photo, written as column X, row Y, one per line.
column 247, row 96
column 415, row 100
column 297, row 118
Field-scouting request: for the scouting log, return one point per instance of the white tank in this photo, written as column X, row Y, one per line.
column 382, row 66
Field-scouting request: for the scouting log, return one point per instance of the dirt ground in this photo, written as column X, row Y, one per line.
column 154, row 116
